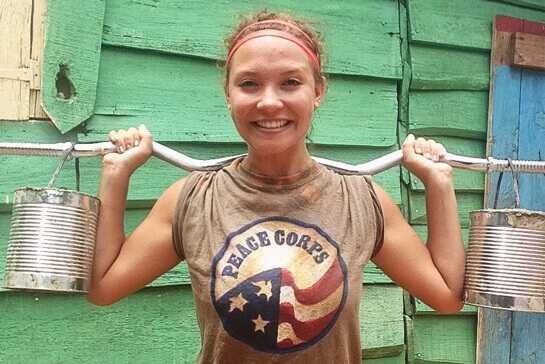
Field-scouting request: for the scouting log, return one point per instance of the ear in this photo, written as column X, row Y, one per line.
column 319, row 90
column 226, row 92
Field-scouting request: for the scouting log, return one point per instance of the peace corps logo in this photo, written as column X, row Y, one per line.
column 279, row 284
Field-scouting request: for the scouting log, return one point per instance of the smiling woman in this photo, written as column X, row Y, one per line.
column 275, row 243
column 272, row 95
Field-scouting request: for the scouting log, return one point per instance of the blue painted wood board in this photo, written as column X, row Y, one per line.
column 528, row 329
column 494, row 345
column 504, row 132
column 518, row 132
column 495, row 339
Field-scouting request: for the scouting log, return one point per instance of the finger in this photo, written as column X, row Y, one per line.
column 120, row 144
column 130, row 138
column 408, row 146
column 434, row 155
column 113, row 137
column 145, row 136
column 441, row 150
column 422, row 147
column 409, row 141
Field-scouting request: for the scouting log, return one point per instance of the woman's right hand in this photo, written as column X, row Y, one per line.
column 134, row 147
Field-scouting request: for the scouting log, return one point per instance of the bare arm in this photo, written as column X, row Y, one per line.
column 122, row 266
column 433, row 272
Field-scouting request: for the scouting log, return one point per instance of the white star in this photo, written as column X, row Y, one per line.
column 260, row 324
column 237, row 302
column 265, row 287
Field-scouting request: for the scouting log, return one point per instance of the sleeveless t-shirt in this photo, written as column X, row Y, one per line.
column 276, row 264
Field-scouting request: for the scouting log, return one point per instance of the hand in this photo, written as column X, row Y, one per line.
column 134, row 147
column 421, row 157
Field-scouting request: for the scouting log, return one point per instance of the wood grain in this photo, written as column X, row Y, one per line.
column 71, row 57
column 362, row 39
column 528, row 51
column 15, row 75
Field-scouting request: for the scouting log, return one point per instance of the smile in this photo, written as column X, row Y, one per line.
column 274, row 124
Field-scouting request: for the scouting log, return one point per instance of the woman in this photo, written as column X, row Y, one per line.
column 275, row 243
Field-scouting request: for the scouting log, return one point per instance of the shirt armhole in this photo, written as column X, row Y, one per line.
column 379, row 217
column 179, row 213
column 176, row 234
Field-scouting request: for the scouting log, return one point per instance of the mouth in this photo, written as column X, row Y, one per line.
column 271, row 124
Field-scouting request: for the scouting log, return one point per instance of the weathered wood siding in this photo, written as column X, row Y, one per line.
column 449, row 53
column 395, row 67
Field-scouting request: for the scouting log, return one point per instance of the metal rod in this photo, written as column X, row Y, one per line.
column 190, row 164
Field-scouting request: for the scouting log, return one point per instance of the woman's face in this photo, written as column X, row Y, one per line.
column 272, row 94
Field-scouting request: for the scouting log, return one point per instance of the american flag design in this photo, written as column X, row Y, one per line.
column 279, row 284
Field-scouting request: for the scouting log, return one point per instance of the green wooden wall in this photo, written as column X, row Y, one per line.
column 394, row 67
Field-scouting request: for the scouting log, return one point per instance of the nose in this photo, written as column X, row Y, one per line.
column 269, row 100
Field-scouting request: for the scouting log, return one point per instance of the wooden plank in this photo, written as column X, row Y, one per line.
column 39, row 8
column 423, row 309
column 467, row 202
column 409, row 339
column 15, row 62
column 400, row 359
column 512, row 24
column 464, row 180
column 444, row 339
column 503, row 133
column 151, row 326
column 528, row 329
column 142, row 327
column 5, row 223
column 532, row 137
column 381, row 321
column 403, row 114
column 181, row 99
column 442, row 68
column 493, row 336
column 450, row 23
column 71, row 63
column 535, row 4
column 527, row 338
column 451, row 113
column 494, row 326
column 33, row 131
column 528, row 51
column 31, row 171
column 372, row 274
column 350, row 28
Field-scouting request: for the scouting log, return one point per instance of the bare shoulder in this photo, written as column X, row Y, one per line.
column 166, row 203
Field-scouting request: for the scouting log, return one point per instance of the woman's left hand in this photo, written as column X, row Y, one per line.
column 421, row 157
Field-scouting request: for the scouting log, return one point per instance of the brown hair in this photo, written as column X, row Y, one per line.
column 244, row 26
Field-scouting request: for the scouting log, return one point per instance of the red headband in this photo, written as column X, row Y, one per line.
column 279, row 34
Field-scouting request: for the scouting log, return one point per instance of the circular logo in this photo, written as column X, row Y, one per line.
column 279, row 284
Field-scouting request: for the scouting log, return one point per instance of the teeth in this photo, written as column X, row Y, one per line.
column 272, row 124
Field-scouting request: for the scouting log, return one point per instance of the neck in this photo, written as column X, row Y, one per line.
column 280, row 164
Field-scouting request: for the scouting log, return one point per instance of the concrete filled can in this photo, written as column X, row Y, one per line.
column 52, row 240
column 505, row 266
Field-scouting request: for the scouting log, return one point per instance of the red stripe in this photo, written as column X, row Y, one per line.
column 512, row 25
column 304, row 330
column 532, row 27
column 326, row 285
column 508, row 24
column 286, row 343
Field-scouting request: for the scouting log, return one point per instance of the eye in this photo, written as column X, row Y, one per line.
column 292, row 82
column 247, row 83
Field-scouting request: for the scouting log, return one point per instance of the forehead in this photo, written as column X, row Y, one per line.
column 269, row 52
